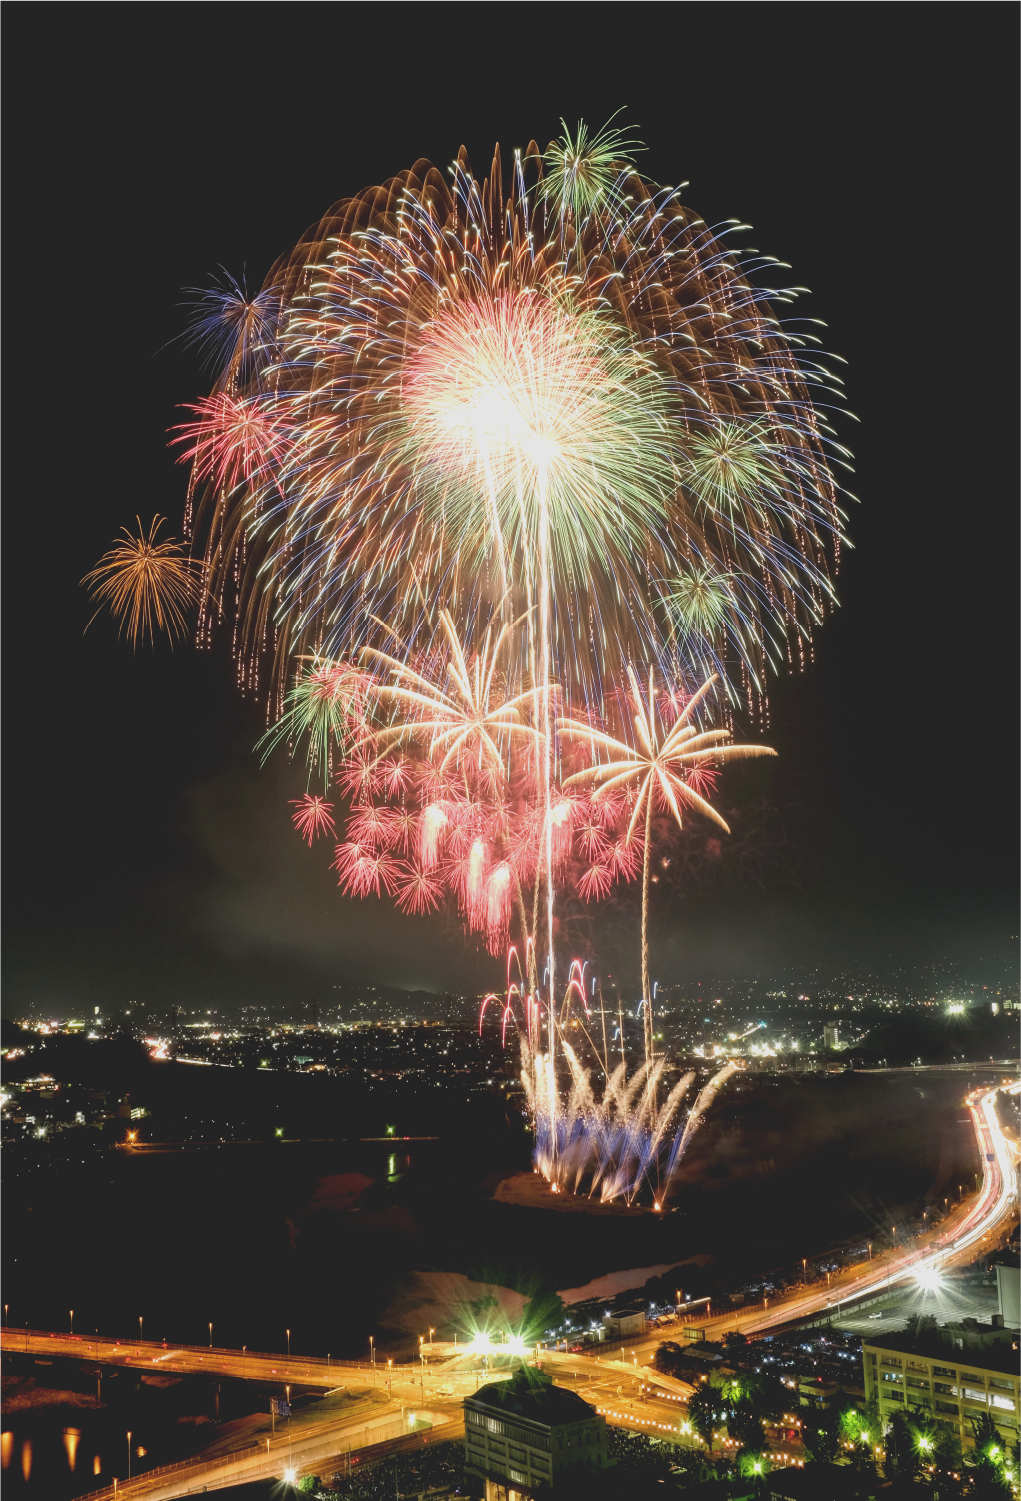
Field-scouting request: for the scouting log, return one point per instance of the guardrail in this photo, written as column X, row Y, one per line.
column 350, row 1447
column 111, row 1343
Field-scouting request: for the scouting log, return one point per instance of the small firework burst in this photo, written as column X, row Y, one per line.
column 313, row 816
column 148, row 585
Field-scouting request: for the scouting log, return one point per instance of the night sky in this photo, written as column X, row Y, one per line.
column 872, row 148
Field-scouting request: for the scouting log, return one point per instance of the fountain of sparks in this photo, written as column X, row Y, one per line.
column 609, row 1147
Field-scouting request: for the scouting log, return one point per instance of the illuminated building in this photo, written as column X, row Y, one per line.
column 625, row 1322
column 953, row 1374
column 526, row 1432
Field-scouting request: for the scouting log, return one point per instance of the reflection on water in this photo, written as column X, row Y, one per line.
column 56, row 1451
column 71, row 1440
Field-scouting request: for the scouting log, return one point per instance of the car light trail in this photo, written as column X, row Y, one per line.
column 992, row 1203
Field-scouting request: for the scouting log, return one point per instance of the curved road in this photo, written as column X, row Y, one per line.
column 977, row 1220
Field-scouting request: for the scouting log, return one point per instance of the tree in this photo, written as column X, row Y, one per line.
column 744, row 1424
column 820, row 1435
column 862, row 1430
column 903, row 1457
column 668, row 1359
column 705, row 1410
column 772, row 1399
column 545, row 1310
column 988, row 1462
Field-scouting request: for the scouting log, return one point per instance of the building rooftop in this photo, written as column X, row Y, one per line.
column 960, row 1344
column 530, row 1394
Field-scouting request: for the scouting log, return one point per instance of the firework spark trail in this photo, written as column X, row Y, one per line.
column 663, row 766
column 705, row 1098
column 618, row 1142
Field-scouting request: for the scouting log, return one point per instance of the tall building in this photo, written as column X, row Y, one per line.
column 830, row 1035
column 526, row 1432
column 953, row 1373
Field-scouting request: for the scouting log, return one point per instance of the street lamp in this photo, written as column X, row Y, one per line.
column 72, row 1320
column 139, row 1328
column 210, row 1335
column 129, row 1453
column 431, row 1333
column 288, row 1344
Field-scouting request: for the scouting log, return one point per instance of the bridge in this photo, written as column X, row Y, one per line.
column 337, row 1447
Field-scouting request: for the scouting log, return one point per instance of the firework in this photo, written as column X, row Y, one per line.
column 474, row 449
column 441, row 775
column 314, row 816
column 664, row 766
column 326, row 704
column 561, row 392
column 148, row 585
column 611, row 1146
column 463, row 717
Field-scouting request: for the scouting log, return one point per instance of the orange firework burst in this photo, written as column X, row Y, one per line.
column 147, row 584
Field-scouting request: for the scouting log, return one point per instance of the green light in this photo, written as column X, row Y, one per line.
column 390, row 1130
column 280, row 1131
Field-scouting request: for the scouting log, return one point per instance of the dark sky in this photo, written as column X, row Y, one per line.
column 872, row 148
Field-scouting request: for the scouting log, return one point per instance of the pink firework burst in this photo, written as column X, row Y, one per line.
column 314, row 816
column 396, row 774
column 592, row 838
column 360, row 776
column 364, row 872
column 498, row 907
column 231, row 440
column 417, row 890
column 596, row 882
column 625, row 859
column 702, row 779
column 373, row 825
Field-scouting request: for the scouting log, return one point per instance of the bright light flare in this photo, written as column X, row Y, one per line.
column 518, row 402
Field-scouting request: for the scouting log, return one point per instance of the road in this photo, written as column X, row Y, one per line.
column 959, row 1238
column 620, row 1385
column 246, row 1365
column 361, row 1433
